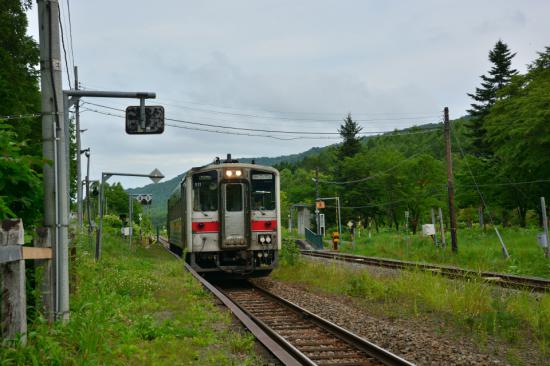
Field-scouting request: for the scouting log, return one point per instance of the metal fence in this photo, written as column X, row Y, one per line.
column 315, row 240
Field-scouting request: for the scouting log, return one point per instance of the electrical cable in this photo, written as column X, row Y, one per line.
column 297, row 119
column 70, row 32
column 414, row 115
column 431, row 192
column 63, row 44
column 243, row 128
column 20, row 116
column 221, row 132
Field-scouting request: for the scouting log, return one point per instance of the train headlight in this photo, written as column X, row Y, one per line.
column 233, row 173
column 262, row 239
column 268, row 239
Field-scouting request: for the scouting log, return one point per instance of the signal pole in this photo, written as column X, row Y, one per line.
column 450, row 188
column 54, row 149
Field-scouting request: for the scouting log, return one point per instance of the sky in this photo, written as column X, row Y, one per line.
column 279, row 65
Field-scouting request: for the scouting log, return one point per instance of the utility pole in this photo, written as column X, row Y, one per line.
column 54, row 149
column 78, row 161
column 317, row 199
column 450, row 188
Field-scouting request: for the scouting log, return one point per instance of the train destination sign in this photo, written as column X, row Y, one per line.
column 154, row 120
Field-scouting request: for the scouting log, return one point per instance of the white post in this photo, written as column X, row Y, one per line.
column 441, row 227
column 545, row 226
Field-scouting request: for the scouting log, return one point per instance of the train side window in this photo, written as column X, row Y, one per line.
column 263, row 191
column 205, row 191
column 234, row 197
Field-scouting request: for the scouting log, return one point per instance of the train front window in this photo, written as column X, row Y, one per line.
column 263, row 191
column 205, row 191
column 234, row 197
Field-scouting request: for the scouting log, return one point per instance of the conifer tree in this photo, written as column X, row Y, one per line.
column 485, row 96
column 352, row 143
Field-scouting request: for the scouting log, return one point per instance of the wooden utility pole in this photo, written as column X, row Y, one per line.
column 450, row 188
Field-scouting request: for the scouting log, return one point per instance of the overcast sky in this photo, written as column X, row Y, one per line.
column 281, row 65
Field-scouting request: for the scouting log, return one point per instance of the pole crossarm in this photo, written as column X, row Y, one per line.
column 109, row 94
column 133, row 175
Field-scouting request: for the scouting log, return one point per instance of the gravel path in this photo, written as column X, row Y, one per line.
column 413, row 339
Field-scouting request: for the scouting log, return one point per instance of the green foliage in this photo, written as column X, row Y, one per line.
column 470, row 308
column 137, row 308
column 19, row 57
column 290, row 254
column 20, row 184
column 478, row 249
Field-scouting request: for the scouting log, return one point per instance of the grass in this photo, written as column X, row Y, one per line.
column 476, row 250
column 137, row 308
column 518, row 319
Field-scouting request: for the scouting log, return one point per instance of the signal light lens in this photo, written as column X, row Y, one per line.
column 262, row 239
column 268, row 239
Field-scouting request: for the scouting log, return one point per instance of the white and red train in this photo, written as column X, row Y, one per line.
column 225, row 217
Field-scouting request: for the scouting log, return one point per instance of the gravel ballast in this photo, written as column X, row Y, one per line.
column 415, row 340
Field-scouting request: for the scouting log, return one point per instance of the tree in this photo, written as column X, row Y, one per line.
column 518, row 129
column 485, row 96
column 19, row 57
column 349, row 131
column 20, row 184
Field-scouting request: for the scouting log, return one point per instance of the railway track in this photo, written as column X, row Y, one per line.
column 500, row 279
column 294, row 335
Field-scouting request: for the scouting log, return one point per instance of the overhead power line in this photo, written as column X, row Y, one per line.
column 20, row 116
column 253, row 112
column 301, row 119
column 70, row 32
column 249, row 129
column 64, row 49
column 374, row 175
column 222, row 132
column 506, row 184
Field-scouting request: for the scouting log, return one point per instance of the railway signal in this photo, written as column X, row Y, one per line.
column 144, row 120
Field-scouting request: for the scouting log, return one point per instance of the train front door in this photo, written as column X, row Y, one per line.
column 233, row 215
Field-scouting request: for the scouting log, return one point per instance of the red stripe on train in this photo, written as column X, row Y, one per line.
column 263, row 225
column 206, row 227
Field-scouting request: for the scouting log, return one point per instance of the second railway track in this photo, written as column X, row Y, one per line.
column 499, row 279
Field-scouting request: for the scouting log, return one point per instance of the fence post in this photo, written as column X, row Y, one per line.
column 14, row 300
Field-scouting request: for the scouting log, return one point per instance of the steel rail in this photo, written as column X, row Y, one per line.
column 501, row 279
column 281, row 348
column 371, row 349
column 282, row 354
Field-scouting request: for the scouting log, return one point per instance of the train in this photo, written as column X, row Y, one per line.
column 224, row 218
